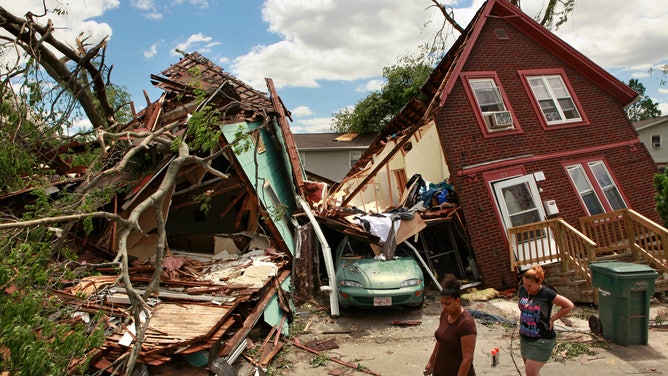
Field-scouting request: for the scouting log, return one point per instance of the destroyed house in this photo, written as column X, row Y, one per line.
column 229, row 239
column 535, row 141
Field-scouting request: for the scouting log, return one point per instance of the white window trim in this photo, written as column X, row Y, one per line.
column 586, row 169
column 554, row 98
column 487, row 115
column 590, row 188
column 656, row 145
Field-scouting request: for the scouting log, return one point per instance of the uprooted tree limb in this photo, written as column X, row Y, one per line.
column 79, row 72
column 37, row 41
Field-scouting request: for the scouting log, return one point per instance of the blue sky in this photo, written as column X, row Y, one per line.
column 324, row 55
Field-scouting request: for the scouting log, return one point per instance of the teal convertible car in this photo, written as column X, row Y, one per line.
column 365, row 280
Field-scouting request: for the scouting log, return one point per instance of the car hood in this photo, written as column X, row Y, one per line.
column 376, row 274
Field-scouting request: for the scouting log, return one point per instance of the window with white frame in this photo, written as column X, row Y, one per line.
column 354, row 157
column 554, row 99
column 490, row 102
column 596, row 188
column 656, row 141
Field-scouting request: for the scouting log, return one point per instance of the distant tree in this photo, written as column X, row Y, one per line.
column 644, row 108
column 661, row 197
column 402, row 82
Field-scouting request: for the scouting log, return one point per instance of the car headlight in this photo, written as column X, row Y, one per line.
column 411, row 282
column 349, row 283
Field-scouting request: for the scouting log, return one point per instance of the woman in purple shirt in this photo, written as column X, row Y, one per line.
column 455, row 336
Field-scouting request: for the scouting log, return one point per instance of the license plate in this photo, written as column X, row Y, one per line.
column 382, row 301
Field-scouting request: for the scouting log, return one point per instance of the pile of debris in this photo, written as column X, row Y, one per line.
column 206, row 306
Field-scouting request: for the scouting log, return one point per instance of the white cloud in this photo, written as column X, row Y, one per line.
column 148, row 7
column 663, row 91
column 353, row 39
column 664, row 108
column 190, row 45
column 334, row 40
column 372, row 85
column 152, row 12
column 631, row 34
column 300, row 111
column 640, row 74
column 79, row 125
column 201, row 4
column 316, row 125
column 74, row 20
column 152, row 51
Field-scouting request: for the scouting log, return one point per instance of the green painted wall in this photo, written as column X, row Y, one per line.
column 272, row 170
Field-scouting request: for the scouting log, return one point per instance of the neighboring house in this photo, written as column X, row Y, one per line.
column 654, row 134
column 529, row 128
column 331, row 155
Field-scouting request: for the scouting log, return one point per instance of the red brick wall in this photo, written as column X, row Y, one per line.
column 464, row 145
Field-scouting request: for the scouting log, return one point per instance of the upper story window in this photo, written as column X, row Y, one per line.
column 354, row 157
column 656, row 141
column 553, row 97
column 596, row 188
column 487, row 95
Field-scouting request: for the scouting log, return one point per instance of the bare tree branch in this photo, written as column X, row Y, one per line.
column 32, row 38
column 68, row 218
column 449, row 15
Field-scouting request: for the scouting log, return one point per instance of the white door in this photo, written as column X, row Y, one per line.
column 519, row 203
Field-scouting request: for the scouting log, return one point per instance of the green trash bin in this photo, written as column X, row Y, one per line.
column 624, row 292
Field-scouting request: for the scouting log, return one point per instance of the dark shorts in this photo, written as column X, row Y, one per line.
column 538, row 350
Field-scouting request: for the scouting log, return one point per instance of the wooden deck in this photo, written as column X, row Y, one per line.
column 566, row 252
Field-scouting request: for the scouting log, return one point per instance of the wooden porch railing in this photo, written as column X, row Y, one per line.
column 551, row 240
column 626, row 230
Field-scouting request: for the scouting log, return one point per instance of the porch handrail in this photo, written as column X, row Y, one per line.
column 548, row 241
column 608, row 230
column 647, row 239
column 627, row 230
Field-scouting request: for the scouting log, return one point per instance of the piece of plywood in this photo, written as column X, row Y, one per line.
column 186, row 322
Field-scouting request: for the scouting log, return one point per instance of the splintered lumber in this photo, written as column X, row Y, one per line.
column 336, row 360
column 187, row 321
column 252, row 318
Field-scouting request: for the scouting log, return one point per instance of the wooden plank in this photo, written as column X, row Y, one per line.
column 187, row 321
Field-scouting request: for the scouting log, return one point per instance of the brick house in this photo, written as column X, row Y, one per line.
column 530, row 129
column 530, row 133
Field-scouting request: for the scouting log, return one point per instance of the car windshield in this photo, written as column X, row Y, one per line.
column 354, row 248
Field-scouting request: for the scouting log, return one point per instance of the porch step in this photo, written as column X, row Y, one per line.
column 622, row 257
column 661, row 285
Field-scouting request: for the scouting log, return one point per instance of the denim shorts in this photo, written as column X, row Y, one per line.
column 539, row 349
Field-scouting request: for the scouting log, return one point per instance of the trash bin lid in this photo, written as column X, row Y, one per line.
column 626, row 269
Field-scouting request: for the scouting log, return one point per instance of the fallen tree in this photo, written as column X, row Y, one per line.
column 34, row 116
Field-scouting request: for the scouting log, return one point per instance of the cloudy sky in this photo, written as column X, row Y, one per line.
column 324, row 55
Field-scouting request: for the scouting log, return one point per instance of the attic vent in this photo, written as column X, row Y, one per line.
column 501, row 34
